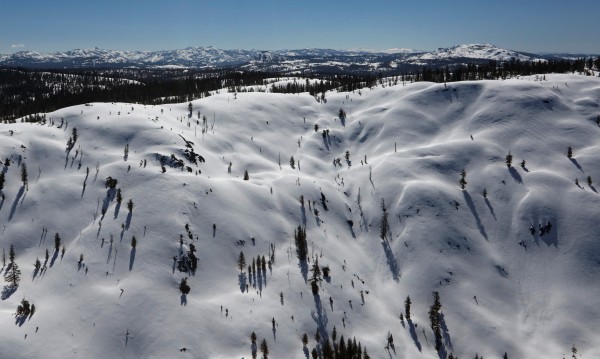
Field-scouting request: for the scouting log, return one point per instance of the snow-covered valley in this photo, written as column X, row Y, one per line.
column 402, row 148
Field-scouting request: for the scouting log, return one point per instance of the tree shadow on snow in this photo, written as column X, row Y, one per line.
column 128, row 221
column 242, row 281
column 391, row 260
column 445, row 336
column 474, row 212
column 319, row 315
column 15, row 203
column 352, row 230
column 413, row 335
column 304, row 270
column 303, row 215
column 54, row 256
column 576, row 164
column 7, row 291
column 487, row 202
column 131, row 258
column 117, row 209
column 515, row 175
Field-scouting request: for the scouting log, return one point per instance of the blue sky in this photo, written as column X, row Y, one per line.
column 527, row 25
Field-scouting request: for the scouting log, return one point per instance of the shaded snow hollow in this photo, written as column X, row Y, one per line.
column 535, row 296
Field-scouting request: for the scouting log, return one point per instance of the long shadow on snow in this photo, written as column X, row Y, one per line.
column 391, row 260
column 128, row 221
column 474, row 212
column 413, row 334
column 131, row 258
column 304, row 270
column 515, row 175
column 242, row 282
column 319, row 315
column 14, row 205
column 576, row 164
column 487, row 202
column 445, row 336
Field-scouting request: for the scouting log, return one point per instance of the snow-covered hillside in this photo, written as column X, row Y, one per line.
column 502, row 289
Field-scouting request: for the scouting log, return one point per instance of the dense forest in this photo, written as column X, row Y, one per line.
column 25, row 92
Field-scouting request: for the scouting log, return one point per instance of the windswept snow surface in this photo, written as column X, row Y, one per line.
column 502, row 289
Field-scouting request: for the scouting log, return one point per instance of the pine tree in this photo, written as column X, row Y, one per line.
column 463, row 181
column 384, row 222
column 264, row 349
column 484, row 193
column 24, row 174
column 292, row 162
column 304, row 339
column 14, row 274
column 523, row 164
column 509, row 158
column 407, row 303
column 570, row 152
column 505, row 356
column 56, row 242
column 246, row 176
column 589, row 180
column 1, row 181
column 130, row 205
column 301, row 243
column 253, row 338
column 434, row 319
column 74, row 136
column 133, row 242
column 241, row 261
column 342, row 114
column 119, row 197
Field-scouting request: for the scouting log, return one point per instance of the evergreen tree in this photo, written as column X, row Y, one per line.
column 434, row 319
column 505, row 356
column 56, row 242
column 292, row 162
column 130, row 205
column 133, row 242
column 484, row 193
column 304, row 339
column 589, row 180
column 301, row 243
column 264, row 349
column 253, row 338
column 463, row 181
column 246, row 177
column 570, row 152
column 342, row 114
column 1, row 181
column 523, row 164
column 119, row 197
column 24, row 174
column 384, row 222
column 241, row 261
column 407, row 304
column 509, row 158
column 74, row 136
column 14, row 274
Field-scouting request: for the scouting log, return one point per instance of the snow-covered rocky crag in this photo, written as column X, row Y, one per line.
column 504, row 287
column 273, row 60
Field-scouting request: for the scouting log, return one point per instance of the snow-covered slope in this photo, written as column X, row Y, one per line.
column 475, row 51
column 502, row 289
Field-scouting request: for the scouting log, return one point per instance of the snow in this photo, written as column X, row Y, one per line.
column 534, row 299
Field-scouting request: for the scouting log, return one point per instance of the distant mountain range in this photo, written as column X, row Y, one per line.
column 304, row 60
